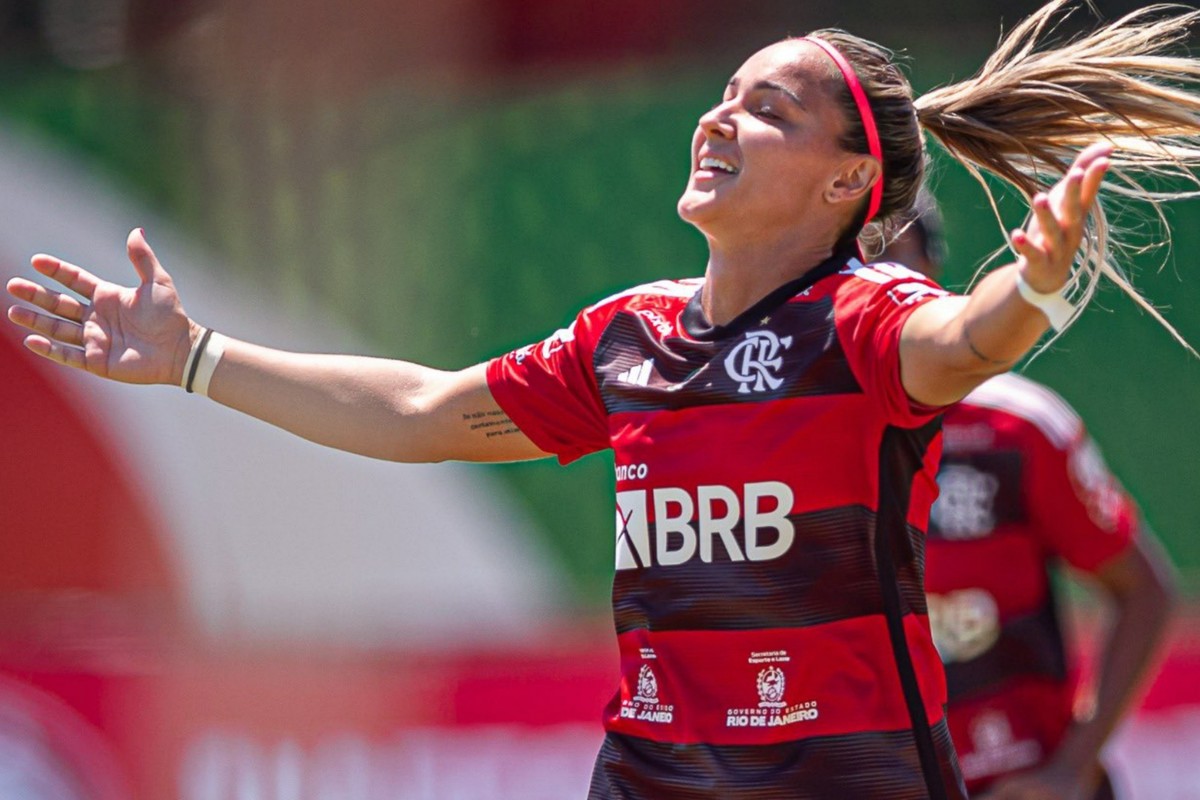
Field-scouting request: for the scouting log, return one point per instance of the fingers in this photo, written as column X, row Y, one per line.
column 1042, row 269
column 56, row 303
column 1049, row 244
column 1073, row 210
column 64, row 320
column 1033, row 255
column 52, row 328
column 1077, row 190
column 143, row 258
column 1093, row 177
column 77, row 279
column 1049, row 225
column 84, row 283
column 67, row 356
column 1041, row 246
column 1093, row 152
column 1090, row 166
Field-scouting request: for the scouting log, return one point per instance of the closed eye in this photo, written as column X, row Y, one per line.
column 720, row 102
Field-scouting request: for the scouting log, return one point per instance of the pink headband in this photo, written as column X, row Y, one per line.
column 864, row 111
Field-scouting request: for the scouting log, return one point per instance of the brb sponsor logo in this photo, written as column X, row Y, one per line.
column 756, row 360
column 686, row 526
column 773, row 710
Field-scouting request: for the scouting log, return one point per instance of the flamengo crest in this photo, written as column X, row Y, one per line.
column 755, row 360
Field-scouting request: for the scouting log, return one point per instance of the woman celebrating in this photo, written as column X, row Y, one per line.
column 774, row 424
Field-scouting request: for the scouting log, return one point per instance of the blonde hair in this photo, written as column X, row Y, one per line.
column 1040, row 99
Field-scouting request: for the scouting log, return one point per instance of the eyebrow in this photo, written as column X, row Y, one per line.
column 771, row 86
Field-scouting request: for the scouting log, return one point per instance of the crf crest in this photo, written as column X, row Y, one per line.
column 756, row 361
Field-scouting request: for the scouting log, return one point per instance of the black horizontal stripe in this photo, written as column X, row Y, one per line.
column 859, row 766
column 827, row 575
column 689, row 373
column 1028, row 646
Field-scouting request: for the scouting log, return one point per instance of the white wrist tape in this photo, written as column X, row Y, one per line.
column 206, row 363
column 1058, row 309
column 202, row 361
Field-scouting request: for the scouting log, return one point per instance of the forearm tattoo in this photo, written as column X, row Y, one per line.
column 491, row 423
column 981, row 356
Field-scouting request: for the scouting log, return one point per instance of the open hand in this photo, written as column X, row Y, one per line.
column 135, row 335
column 1046, row 248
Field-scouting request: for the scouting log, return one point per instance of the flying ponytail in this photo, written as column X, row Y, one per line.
column 1039, row 99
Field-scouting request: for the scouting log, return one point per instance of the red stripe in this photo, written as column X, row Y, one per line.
column 840, row 425
column 838, row 679
column 843, row 427
column 1008, row 564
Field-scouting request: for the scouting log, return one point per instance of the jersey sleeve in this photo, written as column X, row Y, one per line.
column 1080, row 509
column 871, row 308
column 549, row 390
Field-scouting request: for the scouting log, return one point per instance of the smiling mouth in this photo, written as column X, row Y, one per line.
column 717, row 166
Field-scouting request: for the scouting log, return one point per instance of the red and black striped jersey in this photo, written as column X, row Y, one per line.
column 1023, row 488
column 773, row 483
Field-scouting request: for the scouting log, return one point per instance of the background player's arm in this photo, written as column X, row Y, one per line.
column 1140, row 586
column 1090, row 522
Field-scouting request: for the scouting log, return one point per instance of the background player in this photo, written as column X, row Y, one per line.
column 1024, row 491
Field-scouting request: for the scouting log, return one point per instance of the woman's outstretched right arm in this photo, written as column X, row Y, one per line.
column 376, row 407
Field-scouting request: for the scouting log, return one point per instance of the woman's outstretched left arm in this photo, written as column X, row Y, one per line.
column 951, row 345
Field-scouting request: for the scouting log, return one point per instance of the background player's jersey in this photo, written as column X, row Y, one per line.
column 773, row 483
column 1022, row 487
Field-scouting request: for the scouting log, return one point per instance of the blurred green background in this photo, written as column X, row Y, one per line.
column 451, row 203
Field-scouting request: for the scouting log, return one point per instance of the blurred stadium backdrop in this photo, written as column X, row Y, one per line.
column 193, row 606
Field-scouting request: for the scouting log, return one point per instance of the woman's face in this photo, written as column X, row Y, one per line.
column 764, row 157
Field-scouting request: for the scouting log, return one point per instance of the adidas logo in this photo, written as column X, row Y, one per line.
column 639, row 375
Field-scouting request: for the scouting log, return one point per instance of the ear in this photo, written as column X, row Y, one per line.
column 853, row 180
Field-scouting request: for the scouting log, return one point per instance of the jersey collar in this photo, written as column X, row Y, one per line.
column 696, row 324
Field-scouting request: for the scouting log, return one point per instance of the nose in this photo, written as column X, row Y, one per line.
column 717, row 122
